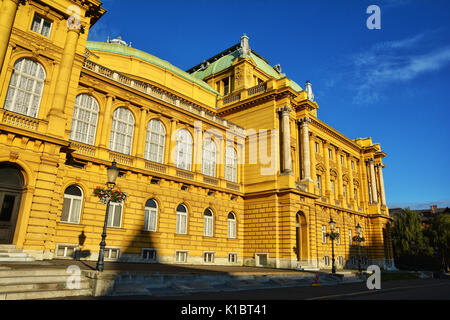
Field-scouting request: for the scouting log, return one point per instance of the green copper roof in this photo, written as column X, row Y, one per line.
column 226, row 61
column 133, row 52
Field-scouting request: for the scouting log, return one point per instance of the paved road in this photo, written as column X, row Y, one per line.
column 418, row 289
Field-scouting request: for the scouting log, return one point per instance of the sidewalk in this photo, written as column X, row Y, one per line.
column 136, row 279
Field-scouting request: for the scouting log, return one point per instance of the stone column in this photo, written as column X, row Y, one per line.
column 373, row 181
column 7, row 16
column 106, row 121
column 306, row 156
column 56, row 113
column 286, row 139
column 171, row 143
column 141, row 134
column 381, row 180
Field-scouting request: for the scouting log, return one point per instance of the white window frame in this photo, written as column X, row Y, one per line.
column 319, row 182
column 231, row 164
column 326, row 260
column 350, row 240
column 65, row 246
column 182, row 217
column 332, row 187
column 330, row 154
column 39, row 28
column 231, row 226
column 181, row 253
column 324, row 234
column 122, row 131
column 151, row 217
column 155, row 141
column 234, row 259
column 183, row 150
column 209, row 256
column 316, row 144
column 73, row 198
column 209, row 157
column 341, row 260
column 145, row 257
column 83, row 130
column 208, row 223
column 109, row 250
column 112, row 214
column 30, row 85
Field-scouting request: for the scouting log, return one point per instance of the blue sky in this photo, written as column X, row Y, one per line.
column 391, row 84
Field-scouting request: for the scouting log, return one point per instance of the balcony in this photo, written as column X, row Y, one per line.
column 19, row 120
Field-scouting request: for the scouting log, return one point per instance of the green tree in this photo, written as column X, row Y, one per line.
column 407, row 236
column 440, row 235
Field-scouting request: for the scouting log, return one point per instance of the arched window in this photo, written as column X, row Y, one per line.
column 84, row 119
column 73, row 200
column 25, row 87
column 182, row 213
column 208, row 223
column 155, row 141
column 121, row 139
column 209, row 158
column 151, row 215
column 231, row 225
column 231, row 164
column 183, row 150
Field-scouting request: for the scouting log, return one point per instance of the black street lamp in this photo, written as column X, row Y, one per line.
column 332, row 235
column 359, row 231
column 112, row 173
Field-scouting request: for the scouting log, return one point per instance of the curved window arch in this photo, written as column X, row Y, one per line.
column 155, row 141
column 208, row 223
column 122, row 127
column 183, row 150
column 182, row 213
column 209, row 158
column 84, row 119
column 151, row 215
column 73, row 200
column 231, row 164
column 25, row 87
column 231, row 225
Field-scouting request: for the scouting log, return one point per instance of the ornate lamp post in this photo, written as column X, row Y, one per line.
column 112, row 173
column 359, row 238
column 332, row 235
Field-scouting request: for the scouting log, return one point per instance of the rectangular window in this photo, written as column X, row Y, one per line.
column 342, row 160
column 341, row 260
column 41, row 25
column 319, row 184
column 65, row 251
column 332, row 187
column 349, row 237
column 181, row 256
column 355, row 194
column 324, row 234
column 326, row 260
column 345, row 191
column 353, row 165
column 232, row 257
column 112, row 253
column 149, row 254
column 208, row 257
column 115, row 215
column 226, row 86
column 330, row 154
column 317, row 147
column 261, row 259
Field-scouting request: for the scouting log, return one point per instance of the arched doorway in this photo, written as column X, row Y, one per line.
column 11, row 187
column 301, row 235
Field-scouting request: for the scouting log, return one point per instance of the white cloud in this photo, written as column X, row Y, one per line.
column 393, row 62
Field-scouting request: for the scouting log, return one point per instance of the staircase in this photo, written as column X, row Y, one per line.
column 9, row 253
column 40, row 283
column 304, row 265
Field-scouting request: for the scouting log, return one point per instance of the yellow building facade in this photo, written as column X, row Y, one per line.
column 225, row 163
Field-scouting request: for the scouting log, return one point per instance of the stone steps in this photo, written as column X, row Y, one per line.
column 39, row 283
column 9, row 253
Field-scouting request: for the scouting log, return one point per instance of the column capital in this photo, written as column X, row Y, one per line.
column 285, row 110
column 304, row 121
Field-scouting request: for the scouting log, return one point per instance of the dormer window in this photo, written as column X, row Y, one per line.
column 226, row 86
column 41, row 25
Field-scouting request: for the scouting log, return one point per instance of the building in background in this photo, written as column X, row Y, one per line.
column 225, row 163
